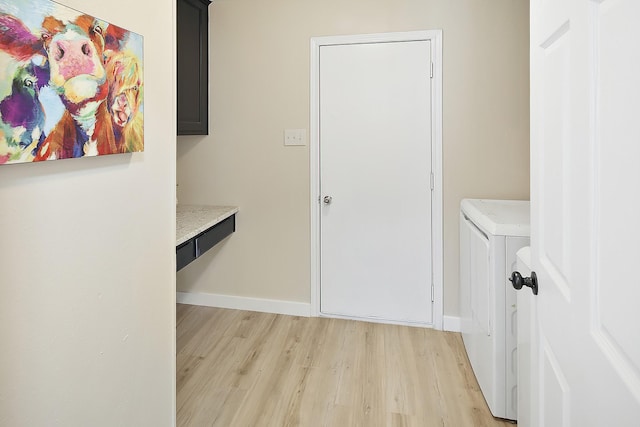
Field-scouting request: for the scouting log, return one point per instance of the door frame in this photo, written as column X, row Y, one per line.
column 437, row 250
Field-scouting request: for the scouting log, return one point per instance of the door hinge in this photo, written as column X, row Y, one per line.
column 431, row 70
column 432, row 293
column 432, row 179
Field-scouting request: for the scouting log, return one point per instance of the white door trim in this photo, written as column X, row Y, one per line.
column 435, row 37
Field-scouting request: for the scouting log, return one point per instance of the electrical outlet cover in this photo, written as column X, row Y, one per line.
column 295, row 137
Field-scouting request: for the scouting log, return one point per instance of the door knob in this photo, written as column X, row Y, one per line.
column 531, row 282
column 327, row 200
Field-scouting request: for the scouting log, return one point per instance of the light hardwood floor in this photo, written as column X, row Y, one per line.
column 239, row 368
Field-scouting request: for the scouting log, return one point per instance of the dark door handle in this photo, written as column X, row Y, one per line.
column 518, row 281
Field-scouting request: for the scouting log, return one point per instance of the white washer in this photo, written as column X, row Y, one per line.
column 491, row 232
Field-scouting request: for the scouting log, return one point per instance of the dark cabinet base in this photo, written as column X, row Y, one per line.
column 196, row 246
column 185, row 253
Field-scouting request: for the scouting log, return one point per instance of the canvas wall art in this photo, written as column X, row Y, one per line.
column 71, row 85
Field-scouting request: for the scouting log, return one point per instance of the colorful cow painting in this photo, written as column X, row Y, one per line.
column 71, row 85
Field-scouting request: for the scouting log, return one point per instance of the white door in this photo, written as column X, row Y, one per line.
column 527, row 363
column 375, row 166
column 585, row 195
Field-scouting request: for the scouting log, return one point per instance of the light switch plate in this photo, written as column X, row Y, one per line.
column 295, row 137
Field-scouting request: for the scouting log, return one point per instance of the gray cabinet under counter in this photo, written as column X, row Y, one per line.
column 185, row 253
column 200, row 228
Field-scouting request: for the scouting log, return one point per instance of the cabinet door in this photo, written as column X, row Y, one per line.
column 193, row 67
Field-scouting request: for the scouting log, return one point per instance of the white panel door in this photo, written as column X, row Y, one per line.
column 375, row 165
column 585, row 146
column 527, row 363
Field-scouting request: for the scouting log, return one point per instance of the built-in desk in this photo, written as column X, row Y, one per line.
column 199, row 228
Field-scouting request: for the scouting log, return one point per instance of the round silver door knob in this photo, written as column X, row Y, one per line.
column 327, row 200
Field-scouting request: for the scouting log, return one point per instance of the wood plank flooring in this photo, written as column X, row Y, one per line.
column 240, row 368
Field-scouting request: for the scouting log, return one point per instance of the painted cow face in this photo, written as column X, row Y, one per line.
column 24, row 71
column 75, row 53
column 124, row 73
column 21, row 107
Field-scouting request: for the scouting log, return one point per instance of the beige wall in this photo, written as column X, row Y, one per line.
column 87, row 280
column 260, row 86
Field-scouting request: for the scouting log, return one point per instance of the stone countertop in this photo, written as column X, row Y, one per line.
column 192, row 220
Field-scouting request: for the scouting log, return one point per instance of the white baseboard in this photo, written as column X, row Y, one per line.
column 451, row 324
column 291, row 308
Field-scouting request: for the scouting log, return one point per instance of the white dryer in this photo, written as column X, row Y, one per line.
column 491, row 232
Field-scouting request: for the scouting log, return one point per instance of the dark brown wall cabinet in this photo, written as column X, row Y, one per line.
column 193, row 66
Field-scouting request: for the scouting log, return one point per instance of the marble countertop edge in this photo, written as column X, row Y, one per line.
column 192, row 220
